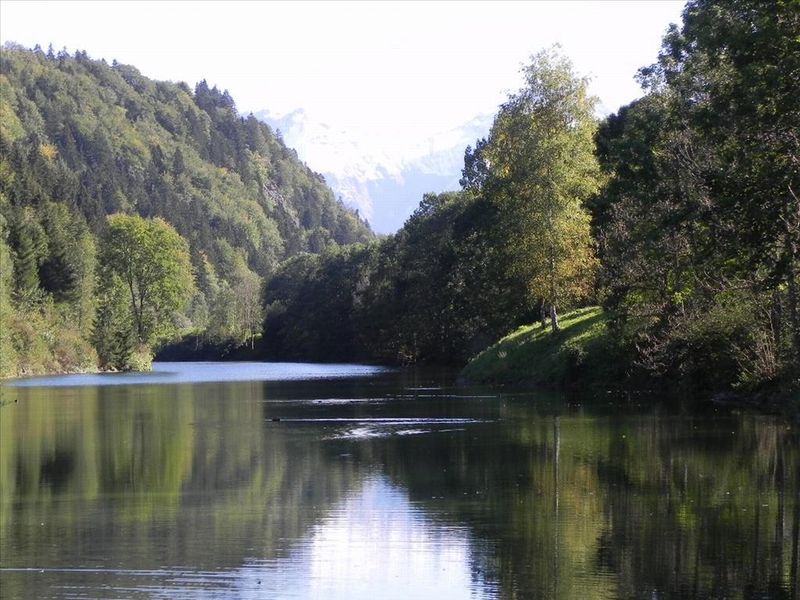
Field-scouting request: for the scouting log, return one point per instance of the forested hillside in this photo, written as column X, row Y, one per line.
column 680, row 215
column 467, row 266
column 81, row 140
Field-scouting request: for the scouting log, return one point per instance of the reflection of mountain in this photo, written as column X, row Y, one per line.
column 384, row 182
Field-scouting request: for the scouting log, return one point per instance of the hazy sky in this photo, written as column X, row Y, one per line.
column 381, row 70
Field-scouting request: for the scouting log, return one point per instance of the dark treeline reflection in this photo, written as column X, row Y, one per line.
column 584, row 507
column 147, row 476
column 557, row 502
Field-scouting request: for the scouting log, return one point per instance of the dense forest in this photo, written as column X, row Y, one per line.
column 134, row 211
column 679, row 215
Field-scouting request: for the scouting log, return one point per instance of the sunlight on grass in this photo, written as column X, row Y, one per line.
column 535, row 355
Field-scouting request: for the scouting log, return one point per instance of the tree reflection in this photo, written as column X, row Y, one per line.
column 146, row 476
column 617, row 507
column 581, row 505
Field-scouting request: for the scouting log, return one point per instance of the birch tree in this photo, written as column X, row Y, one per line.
column 541, row 157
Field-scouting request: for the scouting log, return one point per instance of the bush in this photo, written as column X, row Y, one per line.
column 43, row 341
column 141, row 359
column 731, row 343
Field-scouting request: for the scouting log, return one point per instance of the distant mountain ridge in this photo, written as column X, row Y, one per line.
column 385, row 188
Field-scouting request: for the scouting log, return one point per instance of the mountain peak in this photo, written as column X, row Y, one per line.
column 381, row 179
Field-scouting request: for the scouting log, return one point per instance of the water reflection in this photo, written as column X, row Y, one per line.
column 317, row 489
column 375, row 545
column 206, row 372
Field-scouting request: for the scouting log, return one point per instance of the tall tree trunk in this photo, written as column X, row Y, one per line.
column 554, row 317
column 137, row 314
column 543, row 314
column 776, row 321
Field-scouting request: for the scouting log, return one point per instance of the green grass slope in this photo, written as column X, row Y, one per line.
column 578, row 354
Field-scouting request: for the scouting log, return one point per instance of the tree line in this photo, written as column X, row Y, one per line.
column 679, row 214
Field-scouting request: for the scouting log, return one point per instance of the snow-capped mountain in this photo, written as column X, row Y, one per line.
column 383, row 180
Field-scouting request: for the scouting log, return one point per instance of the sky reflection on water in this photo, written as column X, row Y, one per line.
column 206, row 372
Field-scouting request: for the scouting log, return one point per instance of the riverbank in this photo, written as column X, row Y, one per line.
column 583, row 355
column 43, row 341
column 197, row 347
column 580, row 351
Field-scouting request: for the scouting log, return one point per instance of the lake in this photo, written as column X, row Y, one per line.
column 250, row 480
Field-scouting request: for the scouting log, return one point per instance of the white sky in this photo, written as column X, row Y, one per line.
column 396, row 72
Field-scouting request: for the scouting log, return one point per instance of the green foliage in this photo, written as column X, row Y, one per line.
column 81, row 139
column 152, row 262
column 448, row 293
column 68, row 270
column 43, row 340
column 542, row 169
column 434, row 292
column 46, row 290
column 29, row 240
column 8, row 358
column 232, row 308
column 310, row 312
column 113, row 333
column 467, row 266
column 699, row 225
column 692, row 191
column 141, row 359
column 578, row 355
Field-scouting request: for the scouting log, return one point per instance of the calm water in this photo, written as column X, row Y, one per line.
column 347, row 482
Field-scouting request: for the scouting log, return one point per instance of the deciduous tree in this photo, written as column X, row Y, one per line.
column 152, row 261
column 541, row 157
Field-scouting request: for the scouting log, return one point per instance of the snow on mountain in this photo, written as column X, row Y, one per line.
column 385, row 181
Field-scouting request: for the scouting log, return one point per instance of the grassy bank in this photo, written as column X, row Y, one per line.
column 578, row 354
column 583, row 356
